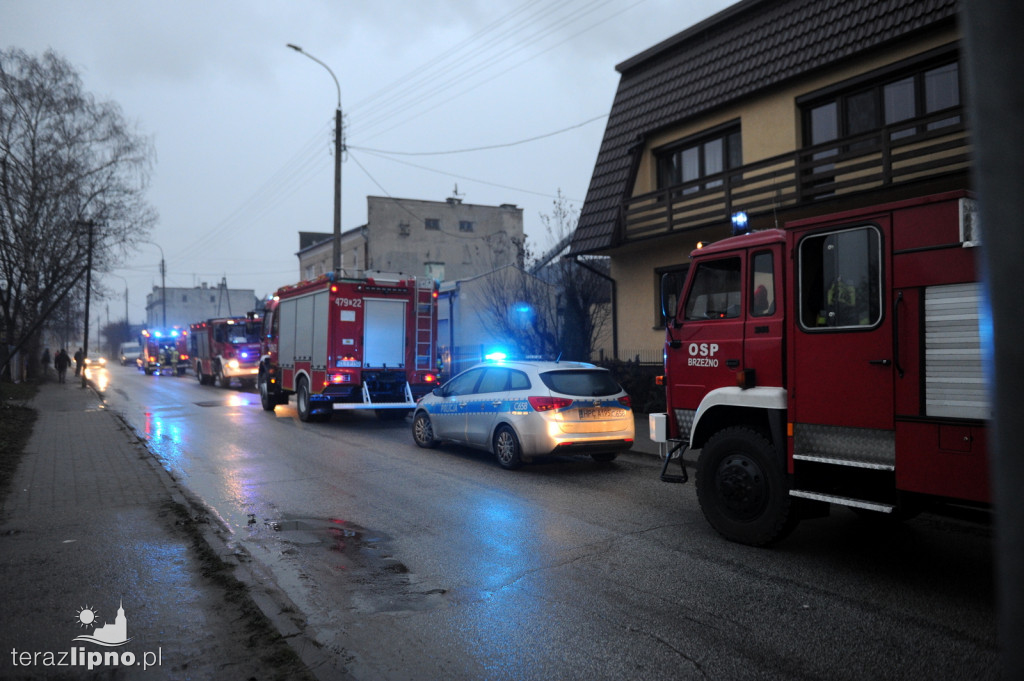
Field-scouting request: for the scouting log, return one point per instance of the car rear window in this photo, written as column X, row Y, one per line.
column 587, row 382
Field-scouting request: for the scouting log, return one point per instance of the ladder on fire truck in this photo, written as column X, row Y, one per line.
column 425, row 324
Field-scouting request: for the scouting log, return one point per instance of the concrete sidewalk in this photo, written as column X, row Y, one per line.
column 94, row 532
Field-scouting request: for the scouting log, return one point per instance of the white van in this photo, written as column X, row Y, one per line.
column 130, row 353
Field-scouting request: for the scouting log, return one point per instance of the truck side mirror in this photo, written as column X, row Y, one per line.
column 669, row 300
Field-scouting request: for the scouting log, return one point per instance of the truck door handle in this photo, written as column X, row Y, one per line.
column 496, row 403
column 732, row 363
column 881, row 362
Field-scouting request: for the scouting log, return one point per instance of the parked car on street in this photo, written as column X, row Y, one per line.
column 519, row 410
column 129, row 353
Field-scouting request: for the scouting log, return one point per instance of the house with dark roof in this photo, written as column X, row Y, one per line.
column 777, row 110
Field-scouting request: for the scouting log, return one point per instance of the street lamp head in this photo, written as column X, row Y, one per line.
column 294, row 47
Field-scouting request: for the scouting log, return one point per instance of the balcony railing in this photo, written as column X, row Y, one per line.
column 917, row 150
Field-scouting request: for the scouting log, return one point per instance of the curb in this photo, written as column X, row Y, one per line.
column 262, row 593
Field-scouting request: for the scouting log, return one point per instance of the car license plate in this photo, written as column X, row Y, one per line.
column 600, row 413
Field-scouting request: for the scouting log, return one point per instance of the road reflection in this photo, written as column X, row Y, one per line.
column 99, row 377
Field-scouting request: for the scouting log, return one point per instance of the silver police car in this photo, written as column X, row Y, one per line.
column 519, row 410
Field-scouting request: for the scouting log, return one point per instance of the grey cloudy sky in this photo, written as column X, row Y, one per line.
column 243, row 126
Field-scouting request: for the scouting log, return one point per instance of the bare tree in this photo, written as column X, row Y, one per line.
column 555, row 307
column 68, row 165
column 522, row 309
column 584, row 290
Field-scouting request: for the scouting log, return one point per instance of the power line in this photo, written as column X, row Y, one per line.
column 465, row 177
column 485, row 148
column 419, row 219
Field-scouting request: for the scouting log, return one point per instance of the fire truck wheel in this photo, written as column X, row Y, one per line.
column 267, row 400
column 302, row 401
column 222, row 380
column 507, row 449
column 742, row 488
column 423, row 431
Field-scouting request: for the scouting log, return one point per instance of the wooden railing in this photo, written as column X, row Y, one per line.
column 917, row 150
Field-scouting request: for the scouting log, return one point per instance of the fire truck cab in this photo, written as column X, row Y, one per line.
column 226, row 348
column 164, row 351
column 837, row 361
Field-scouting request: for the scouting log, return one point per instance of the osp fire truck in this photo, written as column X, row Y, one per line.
column 164, row 350
column 835, row 361
column 226, row 348
column 350, row 343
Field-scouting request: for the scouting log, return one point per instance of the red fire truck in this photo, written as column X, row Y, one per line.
column 164, row 351
column 226, row 348
column 837, row 361
column 350, row 343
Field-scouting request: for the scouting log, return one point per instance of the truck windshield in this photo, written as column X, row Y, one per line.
column 715, row 292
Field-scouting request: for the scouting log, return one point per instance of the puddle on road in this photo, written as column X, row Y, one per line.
column 342, row 558
column 232, row 401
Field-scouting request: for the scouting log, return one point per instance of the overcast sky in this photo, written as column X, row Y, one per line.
column 243, row 126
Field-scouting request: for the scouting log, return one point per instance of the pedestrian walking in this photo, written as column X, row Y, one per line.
column 79, row 359
column 61, row 362
column 45, row 361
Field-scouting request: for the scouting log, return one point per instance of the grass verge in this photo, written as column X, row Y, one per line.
column 16, row 420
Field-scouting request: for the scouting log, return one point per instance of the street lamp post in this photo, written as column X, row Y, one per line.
column 338, row 148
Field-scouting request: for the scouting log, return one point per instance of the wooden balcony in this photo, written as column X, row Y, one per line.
column 919, row 150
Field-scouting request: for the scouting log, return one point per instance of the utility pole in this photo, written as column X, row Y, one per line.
column 88, row 292
column 339, row 147
column 163, row 288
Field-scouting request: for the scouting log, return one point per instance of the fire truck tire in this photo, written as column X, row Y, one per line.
column 423, row 431
column 267, row 400
column 507, row 448
column 222, row 380
column 742, row 488
column 302, row 400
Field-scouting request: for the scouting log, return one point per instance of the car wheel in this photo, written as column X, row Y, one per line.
column 604, row 457
column 507, row 449
column 423, row 431
column 302, row 401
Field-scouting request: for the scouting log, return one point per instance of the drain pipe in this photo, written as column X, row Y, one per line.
column 615, row 304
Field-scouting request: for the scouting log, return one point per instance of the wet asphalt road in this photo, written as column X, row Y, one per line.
column 412, row 563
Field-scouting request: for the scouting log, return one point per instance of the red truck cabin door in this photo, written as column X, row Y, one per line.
column 705, row 347
column 842, row 353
